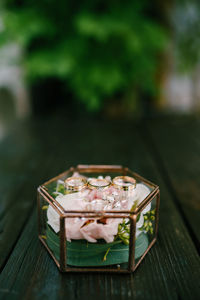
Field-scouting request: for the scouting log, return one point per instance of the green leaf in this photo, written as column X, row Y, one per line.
column 82, row 253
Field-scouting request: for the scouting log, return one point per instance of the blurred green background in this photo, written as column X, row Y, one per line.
column 98, row 57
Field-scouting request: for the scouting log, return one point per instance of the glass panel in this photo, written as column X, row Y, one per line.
column 145, row 229
column 49, row 226
column 97, row 242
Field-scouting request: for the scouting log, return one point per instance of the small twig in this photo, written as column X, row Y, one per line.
column 105, row 256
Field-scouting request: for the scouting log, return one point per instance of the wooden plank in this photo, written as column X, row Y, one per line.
column 170, row 271
column 25, row 161
column 176, row 145
column 14, row 162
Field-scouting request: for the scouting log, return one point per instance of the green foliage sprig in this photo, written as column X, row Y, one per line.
column 124, row 228
column 149, row 218
column 124, row 232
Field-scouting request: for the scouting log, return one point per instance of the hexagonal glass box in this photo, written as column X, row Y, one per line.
column 98, row 218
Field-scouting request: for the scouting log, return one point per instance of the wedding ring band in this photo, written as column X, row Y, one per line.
column 125, row 183
column 75, row 183
column 97, row 183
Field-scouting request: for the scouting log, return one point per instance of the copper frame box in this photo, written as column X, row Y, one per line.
column 44, row 197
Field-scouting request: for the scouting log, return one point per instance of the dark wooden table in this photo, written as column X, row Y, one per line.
column 166, row 151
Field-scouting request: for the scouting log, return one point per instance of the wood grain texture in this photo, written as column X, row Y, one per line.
column 171, row 269
column 176, row 143
column 21, row 157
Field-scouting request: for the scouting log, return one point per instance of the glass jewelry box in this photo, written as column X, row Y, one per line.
column 100, row 218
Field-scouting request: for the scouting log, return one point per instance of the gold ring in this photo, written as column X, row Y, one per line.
column 124, row 183
column 97, row 183
column 75, row 183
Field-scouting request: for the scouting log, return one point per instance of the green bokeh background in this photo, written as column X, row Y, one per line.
column 99, row 50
